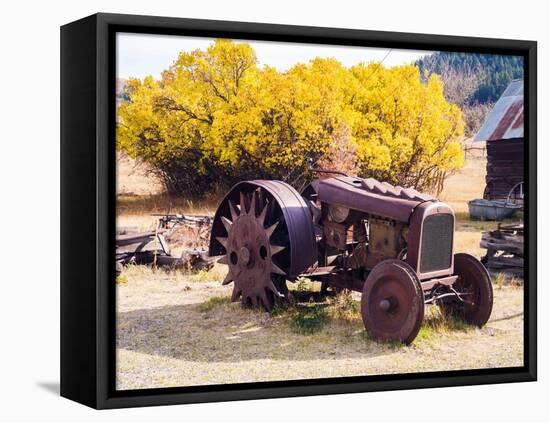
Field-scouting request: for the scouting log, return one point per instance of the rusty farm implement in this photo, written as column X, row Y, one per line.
column 392, row 244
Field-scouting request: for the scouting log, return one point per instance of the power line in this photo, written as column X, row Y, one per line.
column 379, row 65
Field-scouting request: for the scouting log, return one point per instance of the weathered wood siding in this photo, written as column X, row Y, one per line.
column 504, row 167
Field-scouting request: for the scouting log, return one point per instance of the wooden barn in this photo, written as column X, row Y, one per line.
column 503, row 133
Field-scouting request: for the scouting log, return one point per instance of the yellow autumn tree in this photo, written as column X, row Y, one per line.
column 407, row 133
column 215, row 118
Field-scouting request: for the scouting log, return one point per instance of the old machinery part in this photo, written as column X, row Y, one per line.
column 370, row 196
column 386, row 240
column 358, row 257
column 473, row 299
column 437, row 242
column 309, row 194
column 336, row 235
column 337, row 213
column 392, row 304
column 264, row 232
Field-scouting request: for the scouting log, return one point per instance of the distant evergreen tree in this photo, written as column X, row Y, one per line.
column 493, row 72
column 472, row 81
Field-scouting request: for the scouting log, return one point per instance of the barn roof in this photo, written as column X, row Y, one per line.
column 505, row 120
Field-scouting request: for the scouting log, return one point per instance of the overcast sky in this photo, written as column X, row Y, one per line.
column 139, row 55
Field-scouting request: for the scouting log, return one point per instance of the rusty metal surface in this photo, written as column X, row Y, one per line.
column 250, row 252
column 392, row 304
column 414, row 250
column 133, row 238
column 385, row 240
column 296, row 218
column 476, row 290
column 335, row 235
column 371, row 196
column 430, row 284
column 153, row 247
column 263, row 231
column 505, row 120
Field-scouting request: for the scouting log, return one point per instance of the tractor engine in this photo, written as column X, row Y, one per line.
column 365, row 240
column 364, row 222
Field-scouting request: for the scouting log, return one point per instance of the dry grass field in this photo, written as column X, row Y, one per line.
column 467, row 184
column 176, row 330
column 133, row 179
column 180, row 329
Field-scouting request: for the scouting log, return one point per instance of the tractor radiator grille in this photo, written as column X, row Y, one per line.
column 437, row 243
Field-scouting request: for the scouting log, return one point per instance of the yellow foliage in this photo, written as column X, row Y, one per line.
column 215, row 118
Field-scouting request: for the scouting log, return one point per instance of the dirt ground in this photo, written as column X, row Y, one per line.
column 170, row 333
column 179, row 329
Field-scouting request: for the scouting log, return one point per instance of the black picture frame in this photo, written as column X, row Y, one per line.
column 88, row 210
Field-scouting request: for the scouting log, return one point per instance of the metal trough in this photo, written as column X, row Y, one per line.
column 492, row 209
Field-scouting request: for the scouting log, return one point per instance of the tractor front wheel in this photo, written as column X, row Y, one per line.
column 392, row 304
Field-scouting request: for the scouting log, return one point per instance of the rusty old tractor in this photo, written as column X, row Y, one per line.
column 393, row 244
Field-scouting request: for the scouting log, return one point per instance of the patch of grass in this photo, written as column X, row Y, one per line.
column 278, row 310
column 304, row 285
column 343, row 306
column 305, row 290
column 161, row 203
column 212, row 303
column 464, row 221
column 212, row 275
column 388, row 345
column 500, row 280
column 425, row 334
column 465, row 217
column 436, row 323
column 307, row 320
column 462, row 216
column 201, row 276
column 121, row 279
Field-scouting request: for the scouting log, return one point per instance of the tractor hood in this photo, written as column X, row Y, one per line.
column 370, row 196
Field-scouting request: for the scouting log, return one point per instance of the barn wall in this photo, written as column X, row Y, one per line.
column 504, row 167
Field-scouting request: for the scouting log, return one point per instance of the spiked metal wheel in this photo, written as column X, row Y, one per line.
column 253, row 227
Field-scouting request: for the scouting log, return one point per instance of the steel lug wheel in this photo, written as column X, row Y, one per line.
column 256, row 228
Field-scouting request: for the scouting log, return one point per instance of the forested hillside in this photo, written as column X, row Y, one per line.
column 472, row 81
